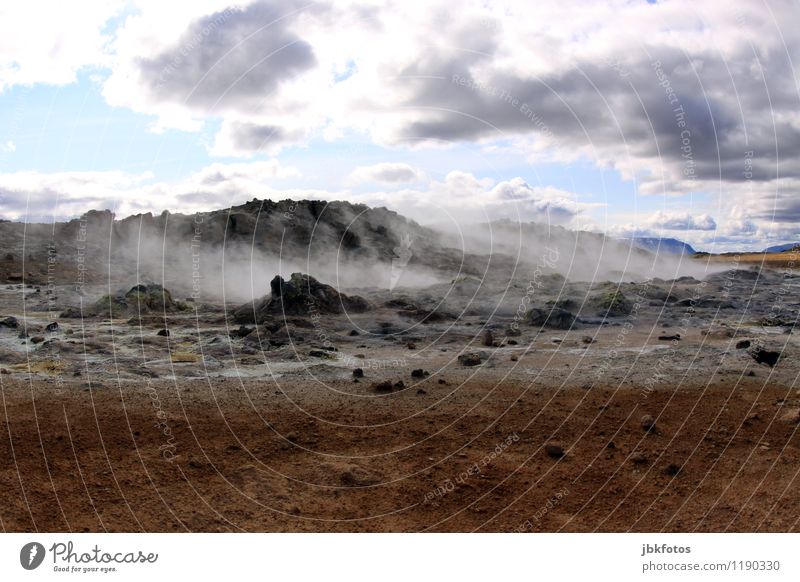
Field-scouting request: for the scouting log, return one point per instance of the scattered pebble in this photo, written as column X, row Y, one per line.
column 554, row 451
column 385, row 386
column 648, row 423
column 488, row 338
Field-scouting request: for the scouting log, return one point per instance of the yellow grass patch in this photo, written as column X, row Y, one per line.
column 41, row 367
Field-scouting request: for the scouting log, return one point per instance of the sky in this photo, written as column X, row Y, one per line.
column 673, row 119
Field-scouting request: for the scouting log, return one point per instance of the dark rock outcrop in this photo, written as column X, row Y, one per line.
column 302, row 295
column 554, row 318
column 140, row 299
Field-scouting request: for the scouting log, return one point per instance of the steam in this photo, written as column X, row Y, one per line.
column 575, row 255
column 233, row 255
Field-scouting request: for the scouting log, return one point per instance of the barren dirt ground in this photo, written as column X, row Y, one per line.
column 294, row 454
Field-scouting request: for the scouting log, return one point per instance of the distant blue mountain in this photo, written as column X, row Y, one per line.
column 781, row 248
column 661, row 245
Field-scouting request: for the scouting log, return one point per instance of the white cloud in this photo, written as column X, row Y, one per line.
column 8, row 148
column 681, row 221
column 49, row 42
column 251, row 172
column 461, row 196
column 57, row 195
column 386, row 173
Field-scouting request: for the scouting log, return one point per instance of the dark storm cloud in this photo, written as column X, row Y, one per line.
column 782, row 204
column 232, row 58
column 696, row 114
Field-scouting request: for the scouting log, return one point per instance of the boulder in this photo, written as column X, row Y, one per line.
column 301, row 295
column 471, row 359
column 555, row 318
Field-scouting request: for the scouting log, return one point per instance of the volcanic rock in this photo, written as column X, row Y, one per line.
column 554, row 451
column 555, row 318
column 471, row 359
column 301, row 295
column 762, row 356
column 648, row 423
column 140, row 299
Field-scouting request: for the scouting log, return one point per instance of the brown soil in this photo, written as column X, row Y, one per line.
column 307, row 456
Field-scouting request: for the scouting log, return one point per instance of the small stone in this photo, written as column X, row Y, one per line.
column 648, row 423
column 792, row 416
column 587, row 339
column 163, row 332
column 399, row 385
column 554, row 451
column 420, row 391
column 442, row 381
column 52, row 326
column 357, row 477
column 411, row 346
column 37, row 339
column 742, row 344
column 243, row 331
column 638, row 459
column 358, row 373
column 385, row 386
column 488, row 338
column 419, row 373
column 672, row 469
column 471, row 359
column 514, row 358
column 353, row 333
column 762, row 356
